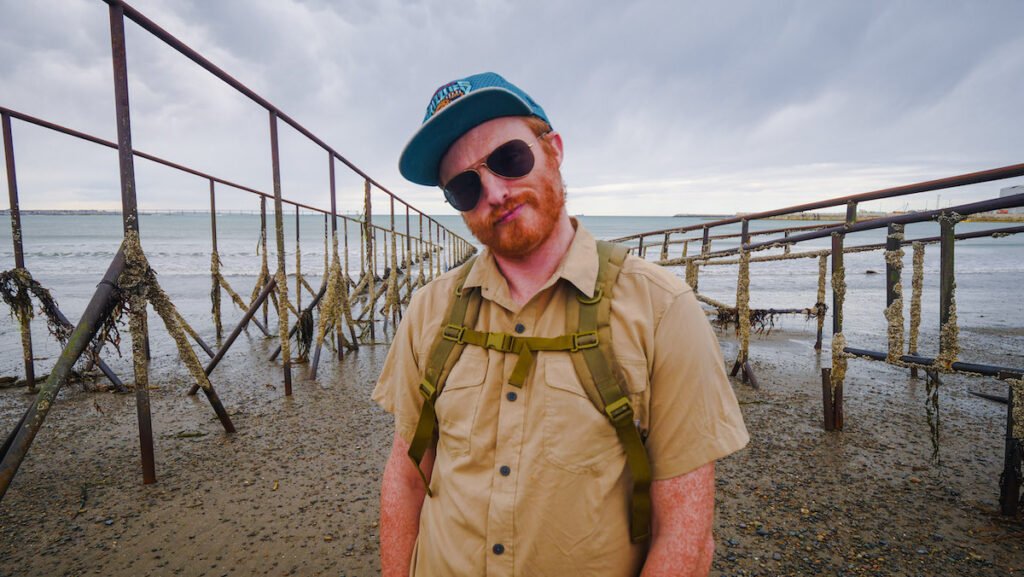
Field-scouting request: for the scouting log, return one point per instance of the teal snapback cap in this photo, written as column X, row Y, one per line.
column 455, row 109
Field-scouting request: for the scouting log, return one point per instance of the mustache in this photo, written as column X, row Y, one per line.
column 497, row 213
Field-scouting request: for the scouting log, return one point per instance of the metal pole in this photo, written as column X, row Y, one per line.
column 95, row 312
column 295, row 327
column 237, row 331
column 838, row 363
column 894, row 290
column 892, row 274
column 130, row 216
column 338, row 335
column 24, row 316
column 1010, row 479
column 826, row 397
column 282, row 310
column 215, row 289
column 820, row 304
column 263, row 244
column 393, row 280
column 946, row 283
column 837, row 298
column 371, row 256
column 408, row 249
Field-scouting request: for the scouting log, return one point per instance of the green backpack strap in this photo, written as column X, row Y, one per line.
column 444, row 353
column 604, row 383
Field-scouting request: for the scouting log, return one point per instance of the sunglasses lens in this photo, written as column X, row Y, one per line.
column 511, row 160
column 463, row 191
column 514, row 159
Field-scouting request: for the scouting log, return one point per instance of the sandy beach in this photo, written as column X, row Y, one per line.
column 294, row 491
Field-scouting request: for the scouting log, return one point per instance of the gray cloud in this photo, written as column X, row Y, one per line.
column 675, row 106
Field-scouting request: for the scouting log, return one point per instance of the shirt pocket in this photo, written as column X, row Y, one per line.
column 457, row 404
column 637, row 380
column 577, row 436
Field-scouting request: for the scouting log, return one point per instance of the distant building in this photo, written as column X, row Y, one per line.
column 1010, row 191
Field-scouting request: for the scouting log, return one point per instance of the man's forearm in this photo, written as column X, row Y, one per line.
column 401, row 499
column 668, row 557
column 682, row 544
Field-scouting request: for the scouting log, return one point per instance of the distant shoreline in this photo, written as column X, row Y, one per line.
column 821, row 216
column 802, row 216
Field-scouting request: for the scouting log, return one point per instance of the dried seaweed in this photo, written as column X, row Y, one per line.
column 917, row 287
column 17, row 287
column 1017, row 391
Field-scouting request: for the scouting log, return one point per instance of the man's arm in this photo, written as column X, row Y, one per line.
column 401, row 499
column 683, row 510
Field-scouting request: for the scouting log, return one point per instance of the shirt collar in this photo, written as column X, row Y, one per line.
column 578, row 266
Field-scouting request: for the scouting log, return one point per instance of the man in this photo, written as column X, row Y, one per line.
column 526, row 476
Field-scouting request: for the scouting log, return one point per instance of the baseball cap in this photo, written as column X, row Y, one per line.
column 455, row 109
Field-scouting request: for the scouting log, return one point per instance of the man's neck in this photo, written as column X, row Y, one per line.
column 526, row 275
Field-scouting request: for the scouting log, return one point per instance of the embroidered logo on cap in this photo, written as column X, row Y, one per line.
column 446, row 95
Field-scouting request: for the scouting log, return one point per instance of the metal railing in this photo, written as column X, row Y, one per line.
column 433, row 248
column 900, row 351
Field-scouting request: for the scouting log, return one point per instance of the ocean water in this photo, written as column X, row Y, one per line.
column 69, row 254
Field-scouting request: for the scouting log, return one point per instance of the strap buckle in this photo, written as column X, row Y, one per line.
column 454, row 333
column 427, row 390
column 499, row 341
column 619, row 411
column 584, row 340
column 598, row 295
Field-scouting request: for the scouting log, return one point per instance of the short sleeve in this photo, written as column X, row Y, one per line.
column 396, row 391
column 694, row 415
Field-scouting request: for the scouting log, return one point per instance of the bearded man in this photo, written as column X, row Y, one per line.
column 505, row 460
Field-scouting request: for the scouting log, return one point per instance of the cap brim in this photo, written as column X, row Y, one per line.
column 421, row 158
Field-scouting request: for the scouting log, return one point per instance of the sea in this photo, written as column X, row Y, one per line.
column 68, row 254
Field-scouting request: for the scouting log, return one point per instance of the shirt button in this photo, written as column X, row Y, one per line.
column 511, row 396
column 498, row 549
column 505, row 470
column 520, row 328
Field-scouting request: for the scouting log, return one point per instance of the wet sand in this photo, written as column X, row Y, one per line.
column 294, row 491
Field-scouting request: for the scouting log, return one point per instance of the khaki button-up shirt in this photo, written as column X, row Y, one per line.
column 533, row 481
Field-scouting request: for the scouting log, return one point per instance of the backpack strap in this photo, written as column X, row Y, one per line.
column 603, row 381
column 444, row 353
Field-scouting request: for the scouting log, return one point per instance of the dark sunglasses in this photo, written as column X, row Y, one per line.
column 514, row 159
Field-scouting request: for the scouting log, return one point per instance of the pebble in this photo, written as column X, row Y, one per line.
column 922, row 551
column 776, row 556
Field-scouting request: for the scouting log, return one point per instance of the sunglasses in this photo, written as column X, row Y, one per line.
column 514, row 159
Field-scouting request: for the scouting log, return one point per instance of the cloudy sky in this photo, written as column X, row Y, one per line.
column 664, row 106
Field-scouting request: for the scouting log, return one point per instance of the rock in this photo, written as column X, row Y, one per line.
column 776, row 556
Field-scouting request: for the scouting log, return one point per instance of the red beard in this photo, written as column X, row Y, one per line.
column 528, row 229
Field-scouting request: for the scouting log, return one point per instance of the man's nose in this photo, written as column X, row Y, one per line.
column 493, row 189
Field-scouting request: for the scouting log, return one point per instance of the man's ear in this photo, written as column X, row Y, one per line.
column 556, row 144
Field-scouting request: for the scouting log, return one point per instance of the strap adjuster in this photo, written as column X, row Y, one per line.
column 585, row 340
column 499, row 341
column 598, row 295
column 427, row 390
column 619, row 411
column 454, row 333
